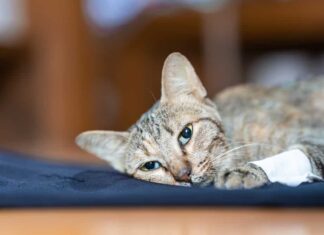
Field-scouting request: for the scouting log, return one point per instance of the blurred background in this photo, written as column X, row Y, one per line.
column 70, row 66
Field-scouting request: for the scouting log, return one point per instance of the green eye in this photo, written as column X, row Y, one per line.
column 149, row 166
column 185, row 135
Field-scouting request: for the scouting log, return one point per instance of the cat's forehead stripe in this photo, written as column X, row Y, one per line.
column 216, row 123
column 168, row 129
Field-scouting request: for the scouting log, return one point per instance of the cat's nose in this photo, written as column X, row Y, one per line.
column 183, row 174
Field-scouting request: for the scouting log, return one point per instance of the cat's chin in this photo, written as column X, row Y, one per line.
column 204, row 183
column 184, row 184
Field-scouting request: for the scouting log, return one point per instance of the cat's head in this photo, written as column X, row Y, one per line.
column 175, row 142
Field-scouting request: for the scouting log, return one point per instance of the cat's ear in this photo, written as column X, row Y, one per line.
column 107, row 145
column 180, row 79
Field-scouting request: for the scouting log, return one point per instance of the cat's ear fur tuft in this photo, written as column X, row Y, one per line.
column 180, row 79
column 107, row 145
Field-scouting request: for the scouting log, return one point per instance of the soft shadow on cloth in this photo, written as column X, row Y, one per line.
column 25, row 182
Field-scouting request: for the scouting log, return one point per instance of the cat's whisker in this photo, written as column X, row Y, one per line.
column 222, row 155
column 152, row 94
column 234, row 157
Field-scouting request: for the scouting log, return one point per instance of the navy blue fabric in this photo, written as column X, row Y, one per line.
column 25, row 182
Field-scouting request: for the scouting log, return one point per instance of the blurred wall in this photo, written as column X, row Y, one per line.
column 67, row 73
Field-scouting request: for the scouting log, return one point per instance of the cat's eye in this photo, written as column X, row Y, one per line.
column 185, row 135
column 149, row 166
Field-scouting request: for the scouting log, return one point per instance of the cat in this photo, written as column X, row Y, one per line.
column 188, row 139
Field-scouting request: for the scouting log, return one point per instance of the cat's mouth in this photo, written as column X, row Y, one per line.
column 184, row 184
column 203, row 183
column 205, row 177
column 200, row 181
column 209, row 176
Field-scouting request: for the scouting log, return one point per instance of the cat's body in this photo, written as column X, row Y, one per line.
column 186, row 138
column 272, row 120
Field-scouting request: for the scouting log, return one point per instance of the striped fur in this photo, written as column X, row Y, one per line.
column 242, row 124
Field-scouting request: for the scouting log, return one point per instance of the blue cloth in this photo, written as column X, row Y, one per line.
column 25, row 182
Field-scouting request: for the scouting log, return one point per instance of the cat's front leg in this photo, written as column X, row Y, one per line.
column 248, row 176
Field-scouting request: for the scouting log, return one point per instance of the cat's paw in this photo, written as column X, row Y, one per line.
column 248, row 176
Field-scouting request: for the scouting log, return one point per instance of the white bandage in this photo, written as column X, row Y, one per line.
column 290, row 168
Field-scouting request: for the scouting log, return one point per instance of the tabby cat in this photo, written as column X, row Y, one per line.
column 186, row 138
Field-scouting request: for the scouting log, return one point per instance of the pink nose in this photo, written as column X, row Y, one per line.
column 183, row 174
